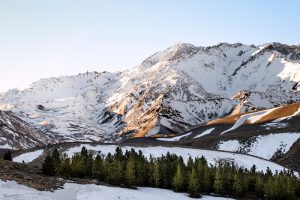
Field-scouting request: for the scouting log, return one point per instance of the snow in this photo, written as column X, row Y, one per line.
column 254, row 118
column 6, row 146
column 28, row 157
column 206, row 132
column 211, row 156
column 251, row 117
column 173, row 139
column 229, row 145
column 10, row 190
column 260, row 48
column 264, row 146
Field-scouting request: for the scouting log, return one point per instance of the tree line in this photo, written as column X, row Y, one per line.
column 196, row 176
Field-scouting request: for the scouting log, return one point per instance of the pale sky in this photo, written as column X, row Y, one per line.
column 43, row 38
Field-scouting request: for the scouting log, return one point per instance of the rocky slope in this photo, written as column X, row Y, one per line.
column 170, row 92
column 17, row 134
column 272, row 134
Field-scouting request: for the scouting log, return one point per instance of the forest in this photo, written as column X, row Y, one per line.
column 196, row 177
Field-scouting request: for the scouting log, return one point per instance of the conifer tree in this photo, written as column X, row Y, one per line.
column 237, row 186
column 157, row 174
column 64, row 168
column 7, row 156
column 259, row 187
column 194, row 187
column 130, row 172
column 98, row 169
column 179, row 178
column 206, row 181
column 48, row 167
column 78, row 166
column 218, row 183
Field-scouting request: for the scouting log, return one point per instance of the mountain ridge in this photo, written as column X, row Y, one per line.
column 169, row 92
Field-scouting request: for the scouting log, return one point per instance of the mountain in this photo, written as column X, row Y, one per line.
column 272, row 134
column 17, row 134
column 169, row 93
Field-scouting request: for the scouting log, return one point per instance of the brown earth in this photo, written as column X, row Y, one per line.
column 28, row 175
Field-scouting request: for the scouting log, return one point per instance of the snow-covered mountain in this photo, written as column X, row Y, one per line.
column 17, row 134
column 170, row 92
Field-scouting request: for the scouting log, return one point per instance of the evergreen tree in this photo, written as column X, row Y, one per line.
column 98, row 169
column 194, row 187
column 7, row 156
column 259, row 187
column 179, row 178
column 218, row 182
column 237, row 186
column 84, row 152
column 130, row 171
column 56, row 158
column 206, row 181
column 78, row 166
column 64, row 168
column 48, row 167
column 157, row 174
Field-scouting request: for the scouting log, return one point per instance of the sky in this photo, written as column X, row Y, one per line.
column 45, row 38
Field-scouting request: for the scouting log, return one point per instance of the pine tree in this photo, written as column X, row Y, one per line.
column 78, row 166
column 64, row 168
column 259, row 187
column 98, row 169
column 206, row 181
column 130, row 172
column 48, row 167
column 269, row 188
column 218, row 182
column 237, row 186
column 56, row 157
column 84, row 152
column 179, row 178
column 194, row 187
column 157, row 174
column 7, row 156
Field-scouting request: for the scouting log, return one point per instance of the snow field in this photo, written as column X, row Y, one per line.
column 212, row 156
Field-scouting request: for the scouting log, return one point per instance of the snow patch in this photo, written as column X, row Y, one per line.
column 263, row 146
column 28, row 157
column 174, row 139
column 6, row 146
column 206, row 132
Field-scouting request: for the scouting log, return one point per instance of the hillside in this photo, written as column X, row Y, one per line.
column 272, row 134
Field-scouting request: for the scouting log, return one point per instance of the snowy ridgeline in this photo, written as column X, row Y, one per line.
column 11, row 191
column 262, row 146
column 212, row 156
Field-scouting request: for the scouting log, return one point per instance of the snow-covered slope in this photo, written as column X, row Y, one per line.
column 10, row 190
column 169, row 92
column 267, row 146
column 28, row 157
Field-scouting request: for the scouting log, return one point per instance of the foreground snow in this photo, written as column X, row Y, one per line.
column 263, row 146
column 12, row 191
column 211, row 156
column 28, row 157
